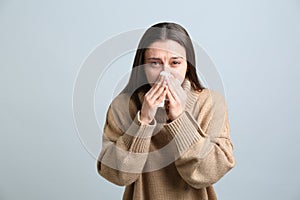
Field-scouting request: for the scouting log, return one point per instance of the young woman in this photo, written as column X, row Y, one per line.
column 166, row 136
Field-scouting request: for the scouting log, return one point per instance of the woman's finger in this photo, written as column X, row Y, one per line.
column 158, row 93
column 172, row 89
column 156, row 86
column 177, row 88
column 170, row 97
column 161, row 97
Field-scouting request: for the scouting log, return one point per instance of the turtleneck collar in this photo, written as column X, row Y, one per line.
column 192, row 95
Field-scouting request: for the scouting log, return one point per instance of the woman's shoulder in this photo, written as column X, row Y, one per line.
column 210, row 96
column 211, row 93
column 121, row 111
column 120, row 99
column 124, row 105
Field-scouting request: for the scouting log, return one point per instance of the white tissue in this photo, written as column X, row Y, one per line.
column 166, row 75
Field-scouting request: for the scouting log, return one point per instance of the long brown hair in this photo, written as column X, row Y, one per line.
column 162, row 31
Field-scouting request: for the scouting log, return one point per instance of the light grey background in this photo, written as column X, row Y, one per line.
column 255, row 45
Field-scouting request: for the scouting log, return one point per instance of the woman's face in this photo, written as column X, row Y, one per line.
column 166, row 55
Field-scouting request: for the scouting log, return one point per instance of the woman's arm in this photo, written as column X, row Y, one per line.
column 124, row 153
column 205, row 153
column 126, row 142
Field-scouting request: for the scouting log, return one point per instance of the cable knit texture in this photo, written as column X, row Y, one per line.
column 198, row 146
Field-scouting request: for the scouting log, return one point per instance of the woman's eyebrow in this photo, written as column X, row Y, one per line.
column 174, row 57
column 177, row 57
column 153, row 58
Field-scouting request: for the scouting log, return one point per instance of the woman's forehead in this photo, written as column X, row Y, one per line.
column 167, row 47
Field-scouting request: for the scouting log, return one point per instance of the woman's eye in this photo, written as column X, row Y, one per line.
column 175, row 62
column 155, row 64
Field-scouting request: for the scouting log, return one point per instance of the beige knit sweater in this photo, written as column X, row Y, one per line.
column 161, row 161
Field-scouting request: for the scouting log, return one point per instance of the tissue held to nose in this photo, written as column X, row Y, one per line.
column 166, row 75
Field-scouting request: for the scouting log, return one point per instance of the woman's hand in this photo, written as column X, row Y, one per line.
column 177, row 98
column 152, row 99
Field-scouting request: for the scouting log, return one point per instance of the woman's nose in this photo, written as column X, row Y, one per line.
column 166, row 68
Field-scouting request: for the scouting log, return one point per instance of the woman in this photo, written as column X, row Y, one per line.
column 174, row 151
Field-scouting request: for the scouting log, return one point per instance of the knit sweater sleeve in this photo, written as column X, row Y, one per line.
column 203, row 142
column 124, row 147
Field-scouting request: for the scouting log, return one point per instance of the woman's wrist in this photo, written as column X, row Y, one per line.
column 145, row 120
column 175, row 115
